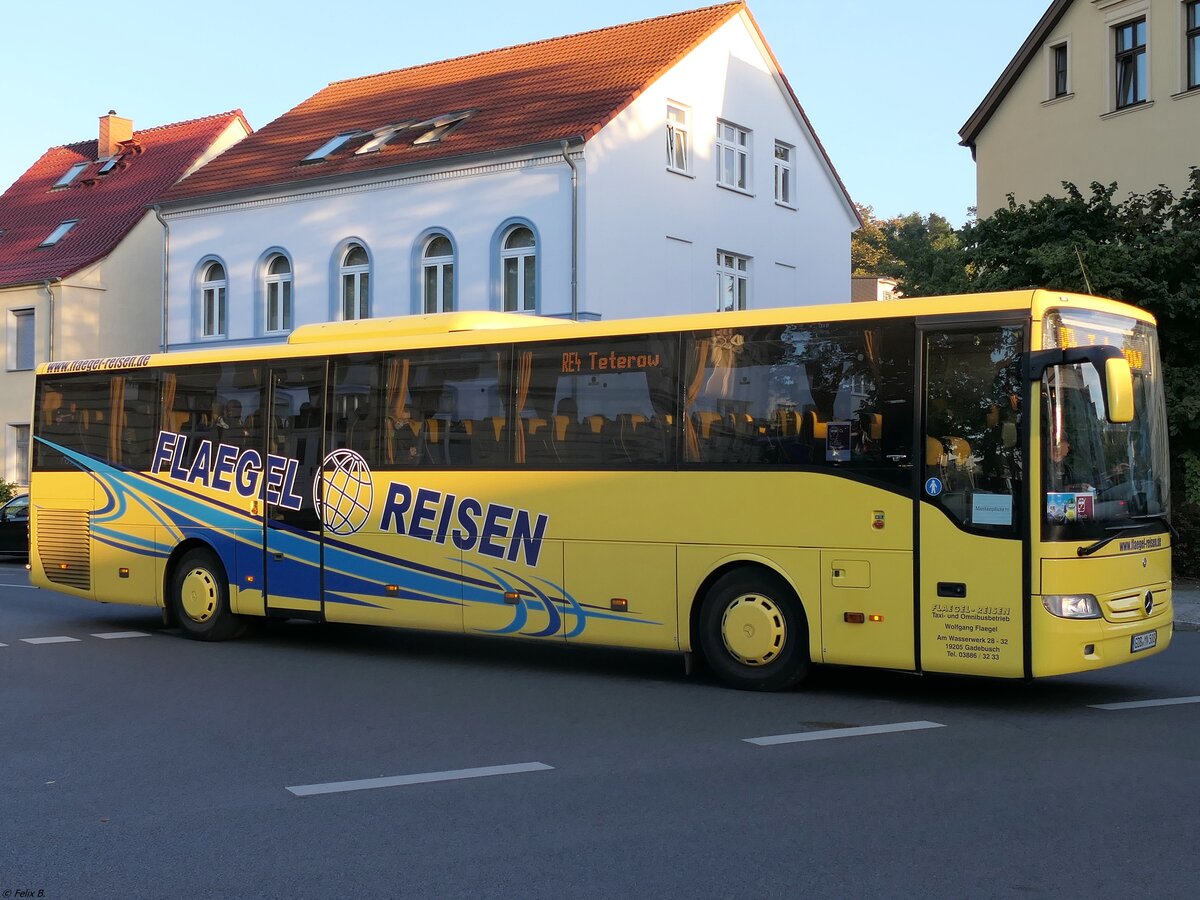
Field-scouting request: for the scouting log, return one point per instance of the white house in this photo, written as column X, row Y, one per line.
column 656, row 167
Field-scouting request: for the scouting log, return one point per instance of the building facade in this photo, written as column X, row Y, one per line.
column 658, row 167
column 1101, row 90
column 81, row 254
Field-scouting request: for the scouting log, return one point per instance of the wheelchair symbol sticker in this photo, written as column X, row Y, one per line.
column 933, row 487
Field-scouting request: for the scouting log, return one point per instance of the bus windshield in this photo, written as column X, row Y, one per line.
column 1099, row 475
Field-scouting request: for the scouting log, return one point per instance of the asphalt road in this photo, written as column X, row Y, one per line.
column 135, row 763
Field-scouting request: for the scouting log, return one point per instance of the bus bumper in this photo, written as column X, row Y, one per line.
column 1062, row 646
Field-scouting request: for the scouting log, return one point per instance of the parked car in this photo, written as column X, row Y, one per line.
column 14, row 529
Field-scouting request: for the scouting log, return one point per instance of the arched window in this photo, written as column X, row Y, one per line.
column 437, row 274
column 518, row 260
column 356, row 283
column 212, row 301
column 279, row 293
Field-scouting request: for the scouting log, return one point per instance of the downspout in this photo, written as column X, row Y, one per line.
column 574, row 231
column 46, row 286
column 166, row 271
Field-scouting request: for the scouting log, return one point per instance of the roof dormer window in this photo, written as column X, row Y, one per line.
column 380, row 137
column 59, row 233
column 109, row 165
column 323, row 152
column 70, row 175
column 437, row 128
column 427, row 131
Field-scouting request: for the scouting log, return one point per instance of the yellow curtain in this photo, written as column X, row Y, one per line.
column 726, row 345
column 691, row 441
column 168, row 402
column 871, row 344
column 397, row 390
column 51, row 400
column 116, row 417
column 524, row 374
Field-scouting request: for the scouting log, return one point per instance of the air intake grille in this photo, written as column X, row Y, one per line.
column 64, row 542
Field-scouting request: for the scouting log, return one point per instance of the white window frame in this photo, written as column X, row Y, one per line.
column 1052, row 48
column 785, row 175
column 733, row 279
column 438, row 266
column 214, row 302
column 1116, row 14
column 526, row 259
column 358, row 300
column 1190, row 73
column 1143, row 84
column 679, row 135
column 18, row 464
column 22, row 339
column 735, row 146
column 282, row 286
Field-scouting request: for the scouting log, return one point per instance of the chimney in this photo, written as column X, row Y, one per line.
column 113, row 130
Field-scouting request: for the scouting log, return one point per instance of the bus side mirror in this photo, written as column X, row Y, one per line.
column 1116, row 378
column 1118, row 394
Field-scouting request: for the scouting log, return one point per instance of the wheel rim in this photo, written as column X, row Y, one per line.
column 753, row 629
column 199, row 595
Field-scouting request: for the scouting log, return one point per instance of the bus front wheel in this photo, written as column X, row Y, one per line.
column 200, row 598
column 753, row 631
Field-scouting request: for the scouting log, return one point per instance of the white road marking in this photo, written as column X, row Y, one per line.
column 114, row 635
column 61, row 639
column 1138, row 704
column 840, row 733
column 366, row 784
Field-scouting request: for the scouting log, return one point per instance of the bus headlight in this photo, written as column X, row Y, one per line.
column 1072, row 606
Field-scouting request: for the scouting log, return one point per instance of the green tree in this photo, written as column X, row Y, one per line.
column 868, row 245
column 921, row 252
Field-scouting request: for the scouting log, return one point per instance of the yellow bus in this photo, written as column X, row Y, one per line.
column 973, row 484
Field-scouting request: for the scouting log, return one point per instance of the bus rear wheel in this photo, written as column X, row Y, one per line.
column 753, row 631
column 199, row 598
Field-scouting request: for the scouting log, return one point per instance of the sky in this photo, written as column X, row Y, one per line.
column 886, row 85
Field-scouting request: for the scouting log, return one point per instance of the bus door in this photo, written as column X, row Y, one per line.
column 972, row 505
column 292, row 532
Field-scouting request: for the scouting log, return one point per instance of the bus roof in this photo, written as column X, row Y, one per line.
column 473, row 328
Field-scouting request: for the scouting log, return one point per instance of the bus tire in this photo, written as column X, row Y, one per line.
column 199, row 598
column 753, row 631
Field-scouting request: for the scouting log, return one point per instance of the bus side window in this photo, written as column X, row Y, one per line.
column 596, row 404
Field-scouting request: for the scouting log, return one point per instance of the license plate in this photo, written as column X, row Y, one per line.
column 1143, row 641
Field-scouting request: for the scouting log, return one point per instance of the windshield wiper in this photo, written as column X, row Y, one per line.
column 1118, row 530
column 1158, row 517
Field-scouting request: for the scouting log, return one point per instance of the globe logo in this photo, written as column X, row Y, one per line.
column 347, row 502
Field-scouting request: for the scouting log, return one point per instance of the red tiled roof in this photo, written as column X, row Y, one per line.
column 107, row 206
column 534, row 93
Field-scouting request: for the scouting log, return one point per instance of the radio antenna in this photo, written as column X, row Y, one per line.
column 1082, row 268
